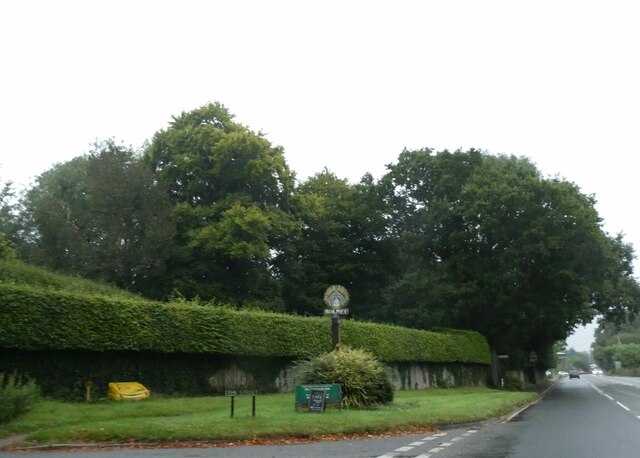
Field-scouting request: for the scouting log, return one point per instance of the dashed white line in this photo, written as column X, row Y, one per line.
column 623, row 406
column 426, row 440
column 607, row 396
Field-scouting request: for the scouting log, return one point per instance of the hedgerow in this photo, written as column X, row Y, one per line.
column 41, row 319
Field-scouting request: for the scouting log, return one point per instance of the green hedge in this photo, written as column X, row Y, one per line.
column 15, row 272
column 40, row 319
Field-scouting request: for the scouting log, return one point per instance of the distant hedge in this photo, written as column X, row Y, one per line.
column 40, row 319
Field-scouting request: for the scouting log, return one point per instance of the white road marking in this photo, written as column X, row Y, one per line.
column 607, row 396
column 623, row 406
column 433, row 437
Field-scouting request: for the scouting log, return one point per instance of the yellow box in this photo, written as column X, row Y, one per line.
column 127, row 390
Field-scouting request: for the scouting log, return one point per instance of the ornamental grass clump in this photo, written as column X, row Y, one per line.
column 16, row 396
column 364, row 380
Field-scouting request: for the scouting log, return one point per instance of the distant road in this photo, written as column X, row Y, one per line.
column 585, row 418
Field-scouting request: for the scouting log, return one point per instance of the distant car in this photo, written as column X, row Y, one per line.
column 574, row 374
column 597, row 371
column 563, row 373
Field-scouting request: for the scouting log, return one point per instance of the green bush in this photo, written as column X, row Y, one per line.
column 16, row 396
column 364, row 380
column 513, row 384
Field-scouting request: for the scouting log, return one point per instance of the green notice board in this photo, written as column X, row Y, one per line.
column 333, row 395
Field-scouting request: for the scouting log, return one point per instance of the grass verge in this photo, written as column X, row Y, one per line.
column 208, row 418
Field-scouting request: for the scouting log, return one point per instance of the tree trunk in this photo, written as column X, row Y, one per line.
column 495, row 363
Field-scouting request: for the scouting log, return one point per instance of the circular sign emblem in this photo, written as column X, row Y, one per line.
column 336, row 297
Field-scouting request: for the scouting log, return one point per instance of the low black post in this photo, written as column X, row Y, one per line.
column 232, row 405
column 253, row 409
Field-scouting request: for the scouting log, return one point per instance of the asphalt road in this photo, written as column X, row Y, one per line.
column 589, row 417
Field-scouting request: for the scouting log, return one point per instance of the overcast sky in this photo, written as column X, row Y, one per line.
column 342, row 84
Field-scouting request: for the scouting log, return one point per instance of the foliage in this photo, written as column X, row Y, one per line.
column 15, row 272
column 341, row 242
column 102, row 216
column 36, row 319
column 17, row 396
column 231, row 190
column 513, row 384
column 487, row 243
column 6, row 250
column 363, row 379
column 10, row 224
column 627, row 354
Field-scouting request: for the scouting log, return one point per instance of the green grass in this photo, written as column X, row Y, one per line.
column 208, row 418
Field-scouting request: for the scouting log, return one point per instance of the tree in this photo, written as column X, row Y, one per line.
column 231, row 189
column 339, row 243
column 488, row 244
column 103, row 216
column 10, row 224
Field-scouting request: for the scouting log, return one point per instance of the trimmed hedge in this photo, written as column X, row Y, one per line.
column 15, row 272
column 40, row 319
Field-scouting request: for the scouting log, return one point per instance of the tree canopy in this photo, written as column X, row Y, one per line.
column 488, row 244
column 210, row 211
column 231, row 190
column 102, row 216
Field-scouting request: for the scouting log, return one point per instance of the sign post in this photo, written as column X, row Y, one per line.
column 233, row 393
column 336, row 298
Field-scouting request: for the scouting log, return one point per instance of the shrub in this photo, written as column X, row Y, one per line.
column 365, row 381
column 16, row 396
column 513, row 384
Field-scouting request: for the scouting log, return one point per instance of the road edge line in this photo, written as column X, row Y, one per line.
column 513, row 415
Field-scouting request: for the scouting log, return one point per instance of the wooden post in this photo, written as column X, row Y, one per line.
column 335, row 331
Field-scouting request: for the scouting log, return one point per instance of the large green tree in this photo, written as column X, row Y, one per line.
column 231, row 189
column 102, row 216
column 488, row 244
